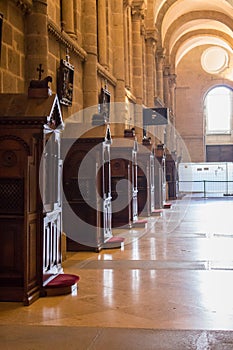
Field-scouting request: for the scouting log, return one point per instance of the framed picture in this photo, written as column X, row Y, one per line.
column 65, row 82
column 104, row 101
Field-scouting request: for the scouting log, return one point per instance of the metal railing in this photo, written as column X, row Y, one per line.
column 208, row 190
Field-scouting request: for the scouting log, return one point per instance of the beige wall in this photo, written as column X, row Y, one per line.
column 192, row 85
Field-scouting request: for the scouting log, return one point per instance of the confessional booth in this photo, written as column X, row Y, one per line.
column 160, row 176
column 30, row 196
column 171, row 174
column 146, row 178
column 124, row 182
column 87, row 186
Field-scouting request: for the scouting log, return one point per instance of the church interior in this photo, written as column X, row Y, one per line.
column 116, row 174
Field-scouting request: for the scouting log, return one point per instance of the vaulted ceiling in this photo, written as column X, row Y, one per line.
column 185, row 24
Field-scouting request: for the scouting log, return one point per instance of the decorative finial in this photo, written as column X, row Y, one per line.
column 40, row 70
column 108, row 135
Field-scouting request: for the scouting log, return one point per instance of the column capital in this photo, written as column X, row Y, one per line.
column 152, row 34
column 138, row 9
column 24, row 5
column 160, row 54
column 172, row 80
column 166, row 71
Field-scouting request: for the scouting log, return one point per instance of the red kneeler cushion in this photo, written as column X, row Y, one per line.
column 63, row 280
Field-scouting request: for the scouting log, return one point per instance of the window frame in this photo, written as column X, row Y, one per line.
column 216, row 131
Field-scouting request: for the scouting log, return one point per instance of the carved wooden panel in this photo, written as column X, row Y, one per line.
column 145, row 182
column 124, row 185
column 87, row 194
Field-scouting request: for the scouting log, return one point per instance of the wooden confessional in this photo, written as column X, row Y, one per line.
column 124, row 182
column 146, row 179
column 171, row 174
column 30, row 197
column 87, row 186
column 160, row 177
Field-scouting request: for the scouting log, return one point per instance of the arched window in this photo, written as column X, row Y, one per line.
column 219, row 109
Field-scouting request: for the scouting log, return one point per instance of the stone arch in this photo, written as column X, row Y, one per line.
column 217, row 16
column 197, row 33
column 212, row 84
column 189, row 17
column 166, row 6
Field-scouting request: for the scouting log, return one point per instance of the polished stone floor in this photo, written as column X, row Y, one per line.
column 170, row 286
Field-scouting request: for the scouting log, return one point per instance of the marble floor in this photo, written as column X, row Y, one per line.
column 170, row 286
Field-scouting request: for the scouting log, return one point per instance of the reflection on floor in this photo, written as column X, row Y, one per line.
column 175, row 274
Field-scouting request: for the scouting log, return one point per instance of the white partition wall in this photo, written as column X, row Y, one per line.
column 208, row 178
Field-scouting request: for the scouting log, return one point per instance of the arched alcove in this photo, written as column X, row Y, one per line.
column 218, row 110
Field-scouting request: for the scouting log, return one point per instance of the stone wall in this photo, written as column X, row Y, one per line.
column 192, row 85
column 12, row 73
column 120, row 55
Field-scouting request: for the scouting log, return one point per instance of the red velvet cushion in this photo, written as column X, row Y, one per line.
column 63, row 280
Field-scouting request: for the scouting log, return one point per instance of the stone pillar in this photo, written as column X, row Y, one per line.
column 166, row 89
column 159, row 69
column 102, row 33
column 150, row 68
column 172, row 87
column 36, row 41
column 137, row 54
column 118, row 66
column 90, row 85
column 68, row 17
column 128, row 43
column 118, row 51
column 77, row 19
column 137, row 17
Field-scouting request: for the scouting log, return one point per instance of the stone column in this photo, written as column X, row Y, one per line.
column 137, row 54
column 159, row 69
column 137, row 17
column 102, row 33
column 150, row 68
column 90, row 85
column 77, row 19
column 68, row 17
column 118, row 66
column 166, row 92
column 172, row 87
column 36, row 41
column 118, row 51
column 128, row 43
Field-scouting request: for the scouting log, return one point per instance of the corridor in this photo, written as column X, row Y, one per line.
column 169, row 287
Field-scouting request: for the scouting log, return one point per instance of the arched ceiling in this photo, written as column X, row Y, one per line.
column 185, row 24
column 194, row 42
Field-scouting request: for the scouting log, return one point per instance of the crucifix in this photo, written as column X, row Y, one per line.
column 40, row 70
